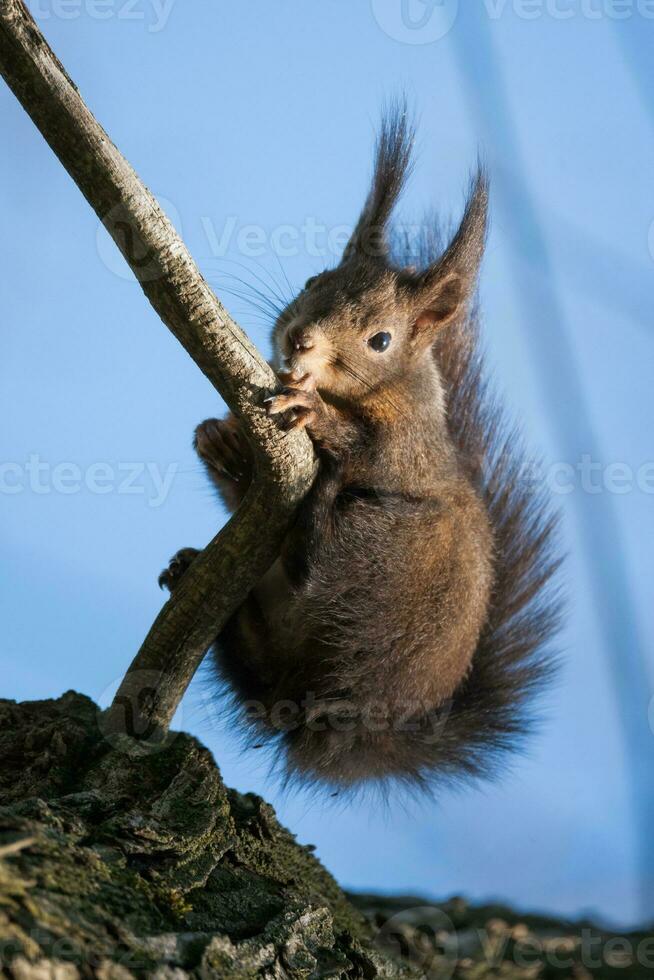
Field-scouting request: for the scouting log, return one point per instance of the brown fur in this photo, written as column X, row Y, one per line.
column 403, row 627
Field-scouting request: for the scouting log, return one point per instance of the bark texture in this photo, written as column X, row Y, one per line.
column 121, row 861
column 235, row 560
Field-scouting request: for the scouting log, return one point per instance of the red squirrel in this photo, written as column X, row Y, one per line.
column 407, row 622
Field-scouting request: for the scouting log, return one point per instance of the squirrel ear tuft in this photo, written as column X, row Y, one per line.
column 391, row 170
column 466, row 249
column 444, row 290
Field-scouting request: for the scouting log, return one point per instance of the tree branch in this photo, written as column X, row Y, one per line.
column 230, row 566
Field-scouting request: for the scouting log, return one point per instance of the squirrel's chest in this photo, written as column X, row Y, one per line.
column 396, row 465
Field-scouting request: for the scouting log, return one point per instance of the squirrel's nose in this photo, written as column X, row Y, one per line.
column 301, row 339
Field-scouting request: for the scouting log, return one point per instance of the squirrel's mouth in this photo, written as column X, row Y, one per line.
column 307, row 362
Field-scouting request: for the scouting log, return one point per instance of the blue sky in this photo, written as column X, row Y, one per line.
column 253, row 123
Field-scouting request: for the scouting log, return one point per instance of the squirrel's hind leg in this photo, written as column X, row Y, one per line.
column 244, row 655
column 227, row 458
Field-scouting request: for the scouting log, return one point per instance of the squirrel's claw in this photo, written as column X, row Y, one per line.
column 171, row 576
column 290, row 398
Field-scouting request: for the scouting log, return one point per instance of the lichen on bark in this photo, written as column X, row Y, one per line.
column 128, row 863
column 121, row 860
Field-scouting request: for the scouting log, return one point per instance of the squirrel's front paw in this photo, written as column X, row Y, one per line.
column 222, row 445
column 178, row 564
column 299, row 398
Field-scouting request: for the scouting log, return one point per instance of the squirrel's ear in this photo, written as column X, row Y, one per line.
column 443, row 304
column 392, row 167
column 444, row 290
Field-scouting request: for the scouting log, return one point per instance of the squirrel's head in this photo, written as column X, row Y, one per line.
column 370, row 322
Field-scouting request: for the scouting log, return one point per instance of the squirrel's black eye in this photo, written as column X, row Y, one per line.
column 310, row 281
column 380, row 341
